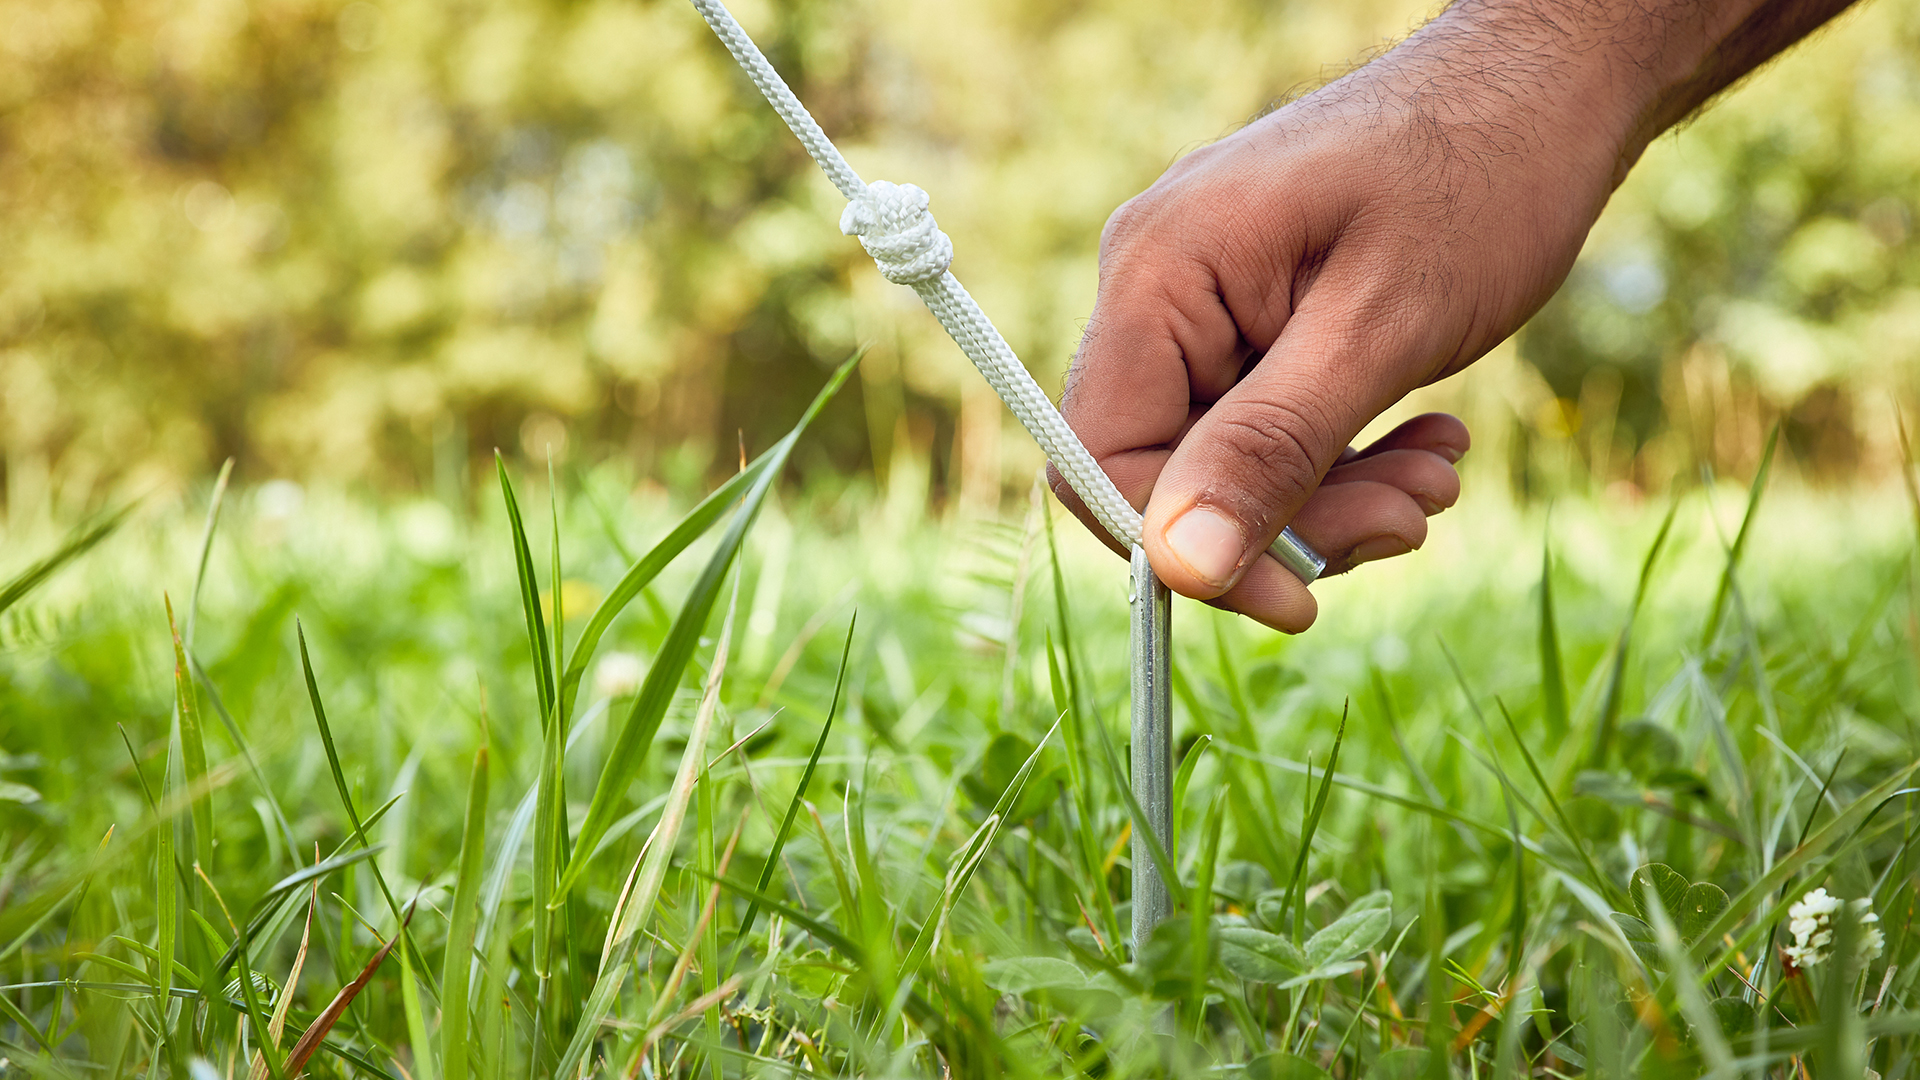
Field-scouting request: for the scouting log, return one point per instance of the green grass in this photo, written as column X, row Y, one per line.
column 891, row 845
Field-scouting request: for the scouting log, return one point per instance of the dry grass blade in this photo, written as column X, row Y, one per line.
column 694, row 1008
column 637, row 903
column 277, row 1023
column 685, row 961
column 316, row 1032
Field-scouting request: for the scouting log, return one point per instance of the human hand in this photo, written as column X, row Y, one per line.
column 1274, row 292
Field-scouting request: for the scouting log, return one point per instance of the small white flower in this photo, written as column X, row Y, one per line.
column 618, row 673
column 1810, row 921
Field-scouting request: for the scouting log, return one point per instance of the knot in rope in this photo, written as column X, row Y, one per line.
column 895, row 226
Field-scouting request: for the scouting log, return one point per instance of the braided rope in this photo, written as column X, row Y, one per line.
column 897, row 229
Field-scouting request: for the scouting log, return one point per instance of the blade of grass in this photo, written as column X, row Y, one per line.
column 1439, row 1024
column 635, row 737
column 800, row 792
column 1614, row 695
column 196, row 836
column 316, row 1033
column 960, row 874
column 549, row 798
column 77, row 543
column 1718, row 611
column 529, row 595
column 340, row 785
column 871, row 910
column 277, row 1024
column 457, row 966
column 1138, row 817
column 690, row 528
column 1553, row 682
column 167, row 913
column 1567, row 832
column 1200, row 910
column 642, row 572
column 416, row 1017
column 249, row 994
column 206, row 548
column 10, row 1011
column 193, row 767
column 1842, row 1029
column 1847, row 822
column 1309, row 826
column 1181, row 779
column 276, row 904
column 635, row 911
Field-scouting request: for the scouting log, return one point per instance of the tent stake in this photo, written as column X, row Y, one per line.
column 1152, row 751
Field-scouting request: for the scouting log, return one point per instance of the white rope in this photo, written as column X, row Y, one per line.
column 895, row 226
column 897, row 229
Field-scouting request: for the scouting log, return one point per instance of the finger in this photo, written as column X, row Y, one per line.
column 1269, row 594
column 1361, row 521
column 1249, row 464
column 1428, row 478
column 1354, row 522
column 1160, row 339
column 1439, row 432
column 1129, row 388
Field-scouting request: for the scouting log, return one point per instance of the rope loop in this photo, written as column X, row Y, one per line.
column 895, row 226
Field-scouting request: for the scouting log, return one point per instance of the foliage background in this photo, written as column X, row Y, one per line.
column 366, row 243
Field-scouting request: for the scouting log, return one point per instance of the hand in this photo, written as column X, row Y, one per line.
column 1274, row 292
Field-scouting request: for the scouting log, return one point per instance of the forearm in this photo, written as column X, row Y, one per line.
column 1613, row 72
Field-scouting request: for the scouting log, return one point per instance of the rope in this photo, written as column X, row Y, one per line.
column 896, row 227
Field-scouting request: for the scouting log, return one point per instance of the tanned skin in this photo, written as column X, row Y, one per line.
column 1277, row 290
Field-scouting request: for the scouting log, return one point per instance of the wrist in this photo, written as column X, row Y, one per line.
column 1599, row 80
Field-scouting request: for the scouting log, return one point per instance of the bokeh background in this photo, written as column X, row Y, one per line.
column 363, row 244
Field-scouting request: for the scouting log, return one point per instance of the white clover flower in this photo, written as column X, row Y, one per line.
column 618, row 673
column 1810, row 921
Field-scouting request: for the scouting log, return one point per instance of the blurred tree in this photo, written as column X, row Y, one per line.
column 368, row 242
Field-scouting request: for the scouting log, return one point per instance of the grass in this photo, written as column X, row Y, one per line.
column 519, row 795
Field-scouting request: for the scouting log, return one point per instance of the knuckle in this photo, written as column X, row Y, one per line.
column 1279, row 444
column 1127, row 221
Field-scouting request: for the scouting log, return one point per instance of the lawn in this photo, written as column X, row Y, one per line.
column 833, row 791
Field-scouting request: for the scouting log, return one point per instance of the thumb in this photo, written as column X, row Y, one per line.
column 1254, row 457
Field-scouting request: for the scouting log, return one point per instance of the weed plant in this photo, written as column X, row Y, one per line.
column 421, row 792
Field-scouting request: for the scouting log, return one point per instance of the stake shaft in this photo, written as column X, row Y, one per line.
column 1152, row 754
